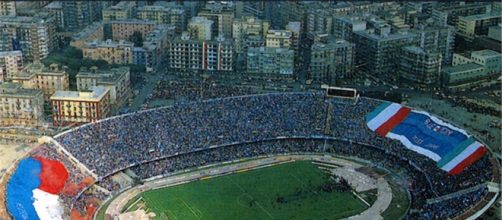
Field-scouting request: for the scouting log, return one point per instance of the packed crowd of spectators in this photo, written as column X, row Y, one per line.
column 188, row 89
column 192, row 134
column 452, row 207
column 121, row 142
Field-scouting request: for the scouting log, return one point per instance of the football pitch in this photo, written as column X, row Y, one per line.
column 286, row 191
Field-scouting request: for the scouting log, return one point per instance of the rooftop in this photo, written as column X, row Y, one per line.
column 200, row 20
column 10, row 53
column 390, row 36
column 294, row 26
column 39, row 18
column 485, row 53
column 415, row 49
column 41, row 69
column 132, row 21
column 153, row 8
column 15, row 90
column 451, row 70
column 106, row 76
column 89, row 30
column 270, row 50
column 480, row 16
column 96, row 94
column 279, row 33
column 332, row 44
column 109, row 43
column 54, row 5
column 121, row 5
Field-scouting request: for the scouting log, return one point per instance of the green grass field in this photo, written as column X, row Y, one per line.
column 286, row 191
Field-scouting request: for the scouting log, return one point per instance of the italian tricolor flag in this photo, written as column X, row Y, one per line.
column 451, row 147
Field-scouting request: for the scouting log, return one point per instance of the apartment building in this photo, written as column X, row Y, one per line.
column 331, row 60
column 7, row 8
column 113, row 52
column 419, row 67
column 79, row 107
column 35, row 36
column 245, row 28
column 95, row 31
column 47, row 79
column 270, row 60
column 278, row 38
column 200, row 28
column 123, row 29
column 215, row 55
column 11, row 62
column 222, row 15
column 117, row 80
column 121, row 11
column 377, row 50
column 20, row 106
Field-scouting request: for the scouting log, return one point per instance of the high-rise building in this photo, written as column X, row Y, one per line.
column 419, row 67
column 222, row 15
column 436, row 39
column 7, row 8
column 268, row 60
column 78, row 14
column 11, row 62
column 191, row 54
column 320, row 20
column 245, row 28
column 378, row 52
column 79, row 107
column 34, row 36
column 20, row 106
column 344, row 27
column 260, row 9
column 295, row 28
column 331, row 60
column 48, row 79
column 200, row 28
column 117, row 80
column 56, row 8
column 113, row 52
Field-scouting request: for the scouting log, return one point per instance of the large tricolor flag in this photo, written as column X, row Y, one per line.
column 452, row 148
column 32, row 191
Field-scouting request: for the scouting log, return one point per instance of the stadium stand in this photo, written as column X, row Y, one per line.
column 163, row 141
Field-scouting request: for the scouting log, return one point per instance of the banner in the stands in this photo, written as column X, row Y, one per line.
column 451, row 147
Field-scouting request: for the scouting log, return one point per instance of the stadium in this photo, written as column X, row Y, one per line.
column 76, row 174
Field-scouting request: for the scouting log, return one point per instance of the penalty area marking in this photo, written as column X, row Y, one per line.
column 252, row 198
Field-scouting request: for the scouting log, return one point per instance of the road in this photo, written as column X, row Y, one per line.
column 146, row 90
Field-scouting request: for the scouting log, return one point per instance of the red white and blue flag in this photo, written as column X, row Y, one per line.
column 452, row 148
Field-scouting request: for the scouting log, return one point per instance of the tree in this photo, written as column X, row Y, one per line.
column 137, row 39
